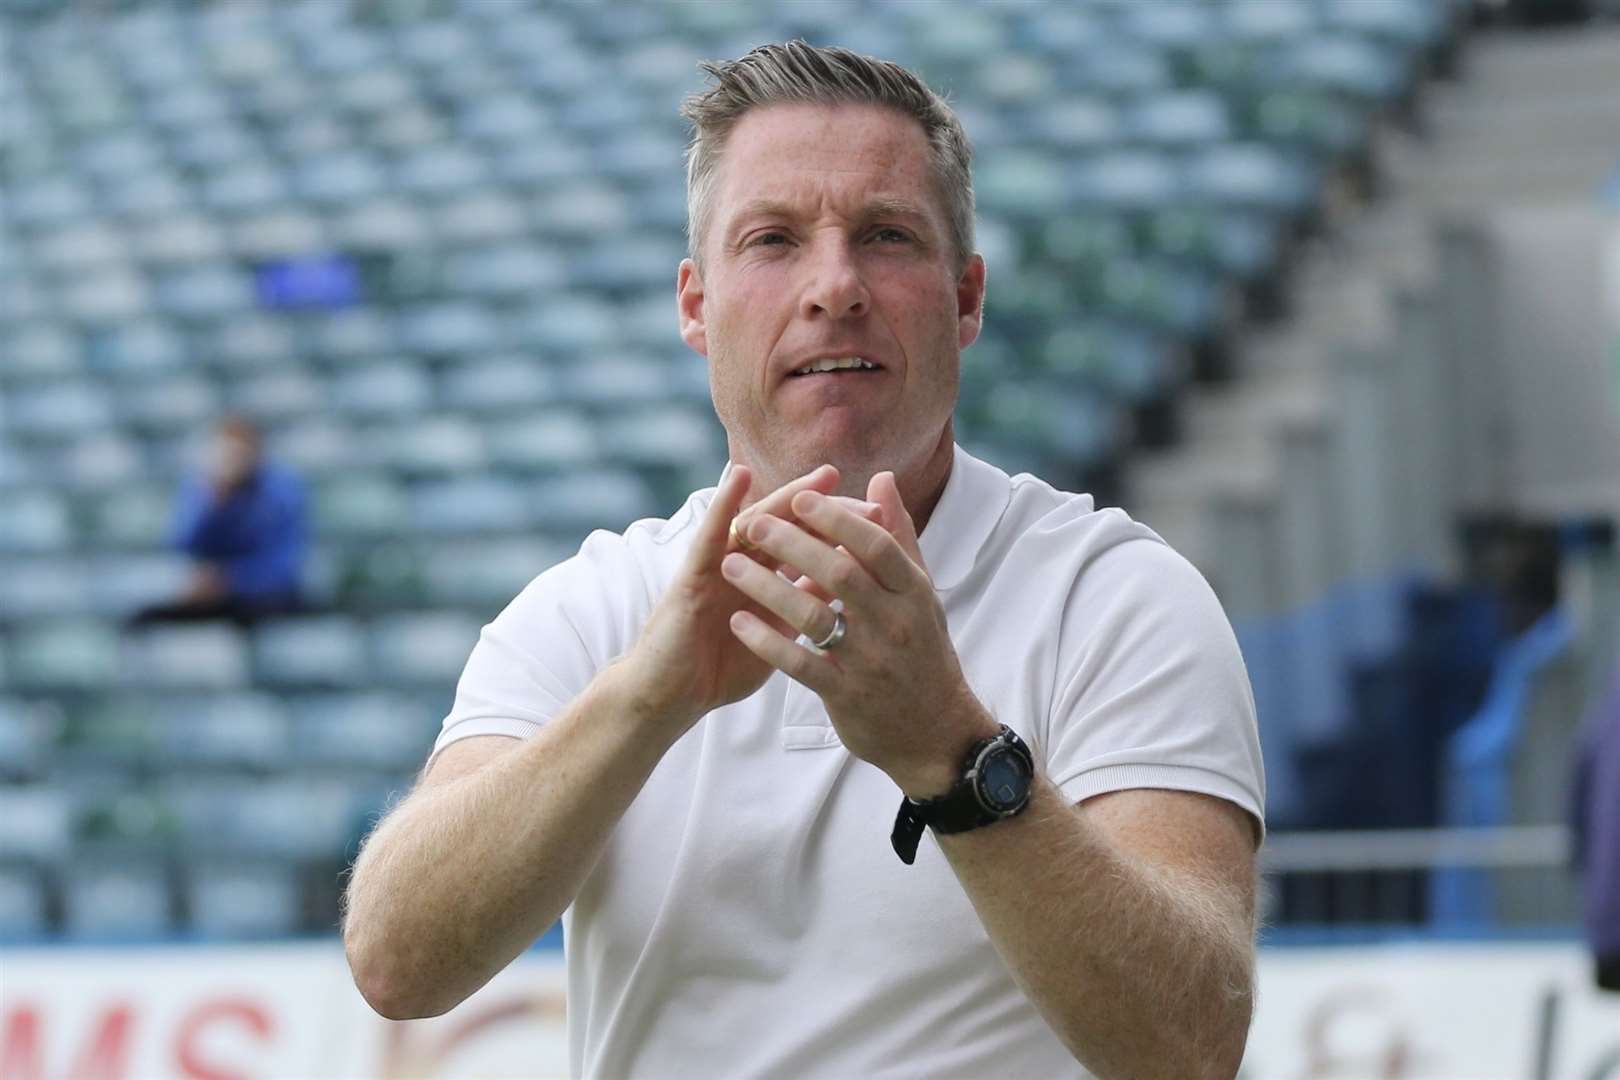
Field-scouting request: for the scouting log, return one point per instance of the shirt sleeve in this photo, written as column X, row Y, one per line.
column 1151, row 690
column 543, row 650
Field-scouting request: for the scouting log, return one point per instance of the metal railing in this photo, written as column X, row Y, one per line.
column 1468, row 878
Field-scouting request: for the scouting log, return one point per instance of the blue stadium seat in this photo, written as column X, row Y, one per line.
column 242, row 898
column 360, row 504
column 481, row 215
column 179, row 238
column 311, row 650
column 64, row 654
column 222, row 731
column 354, row 332
column 40, row 349
column 486, row 574
column 452, row 327
column 554, row 439
column 120, row 584
column 435, row 445
column 427, row 648
column 284, row 394
column 498, row 384
column 389, row 389
column 33, row 521
column 470, row 504
column 202, row 656
column 36, row 821
column 28, row 732
column 593, row 499
column 24, row 903
column 665, row 435
column 43, row 586
column 374, row 730
column 172, row 403
column 58, row 408
column 115, row 898
column 136, row 516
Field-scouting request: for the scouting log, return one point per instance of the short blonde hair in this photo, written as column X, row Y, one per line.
column 798, row 73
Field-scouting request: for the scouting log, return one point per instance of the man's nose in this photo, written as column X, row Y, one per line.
column 834, row 287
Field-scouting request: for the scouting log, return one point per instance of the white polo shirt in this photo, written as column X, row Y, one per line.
column 748, row 917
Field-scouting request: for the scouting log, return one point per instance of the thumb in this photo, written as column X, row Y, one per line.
column 883, row 490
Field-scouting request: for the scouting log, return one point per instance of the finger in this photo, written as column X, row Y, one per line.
column 815, row 670
column 883, row 491
column 798, row 609
column 835, row 570
column 870, row 543
column 823, row 478
column 711, row 539
column 871, row 511
column 805, row 582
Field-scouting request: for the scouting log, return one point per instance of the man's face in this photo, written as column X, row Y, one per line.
column 828, row 241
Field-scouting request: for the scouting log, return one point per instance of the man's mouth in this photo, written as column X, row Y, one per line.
column 842, row 364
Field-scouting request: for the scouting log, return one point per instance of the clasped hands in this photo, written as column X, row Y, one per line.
column 893, row 686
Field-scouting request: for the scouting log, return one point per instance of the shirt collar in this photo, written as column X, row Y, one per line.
column 976, row 495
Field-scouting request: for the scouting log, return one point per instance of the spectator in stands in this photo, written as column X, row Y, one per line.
column 723, row 772
column 1597, row 833
column 244, row 522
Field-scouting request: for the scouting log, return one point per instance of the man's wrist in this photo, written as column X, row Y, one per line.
column 938, row 773
column 631, row 698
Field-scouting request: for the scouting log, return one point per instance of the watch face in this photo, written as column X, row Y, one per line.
column 1003, row 779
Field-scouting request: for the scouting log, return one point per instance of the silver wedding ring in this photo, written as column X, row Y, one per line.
column 835, row 635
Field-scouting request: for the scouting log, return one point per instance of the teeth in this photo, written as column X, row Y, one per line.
column 844, row 364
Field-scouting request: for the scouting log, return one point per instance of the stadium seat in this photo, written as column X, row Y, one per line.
column 64, row 654
column 28, row 732
column 116, row 899
column 428, row 648
column 43, row 587
column 360, row 504
column 58, row 408
column 544, row 440
column 498, row 384
column 135, row 516
column 121, row 584
column 376, row 731
column 593, row 499
column 24, row 903
column 470, row 504
column 222, row 731
column 245, row 898
column 312, row 650
column 389, row 389
column 432, row 445
column 486, row 574
column 36, row 821
column 211, row 656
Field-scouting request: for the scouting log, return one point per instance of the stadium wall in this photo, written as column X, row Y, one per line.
column 1420, row 1011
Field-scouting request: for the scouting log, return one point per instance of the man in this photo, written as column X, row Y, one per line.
column 711, row 755
column 245, row 523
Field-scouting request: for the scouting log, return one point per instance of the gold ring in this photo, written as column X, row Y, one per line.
column 738, row 538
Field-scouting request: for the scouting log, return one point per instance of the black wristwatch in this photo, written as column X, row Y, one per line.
column 995, row 784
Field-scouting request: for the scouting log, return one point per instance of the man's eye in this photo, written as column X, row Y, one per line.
column 770, row 238
column 892, row 236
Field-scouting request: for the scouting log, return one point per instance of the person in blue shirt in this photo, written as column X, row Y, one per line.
column 245, row 522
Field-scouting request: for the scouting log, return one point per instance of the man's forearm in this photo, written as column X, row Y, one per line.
column 461, row 878
column 1142, row 973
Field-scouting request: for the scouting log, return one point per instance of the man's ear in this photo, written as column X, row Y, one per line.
column 689, row 306
column 970, row 302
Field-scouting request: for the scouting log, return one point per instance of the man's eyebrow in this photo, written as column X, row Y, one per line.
column 882, row 206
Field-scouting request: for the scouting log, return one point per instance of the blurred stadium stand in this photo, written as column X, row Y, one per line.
column 431, row 247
